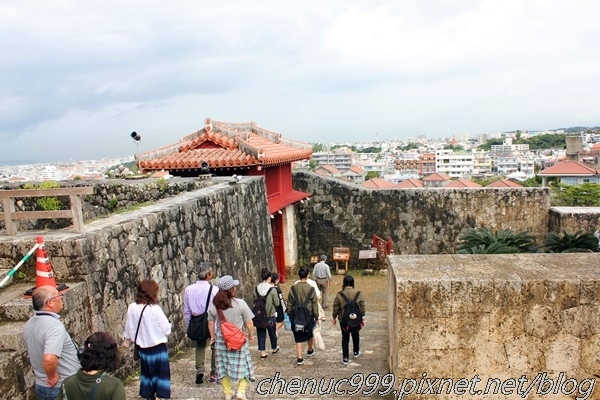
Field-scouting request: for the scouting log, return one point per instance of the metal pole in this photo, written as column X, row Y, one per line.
column 12, row 271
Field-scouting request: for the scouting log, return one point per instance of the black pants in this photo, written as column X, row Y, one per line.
column 262, row 335
column 346, row 341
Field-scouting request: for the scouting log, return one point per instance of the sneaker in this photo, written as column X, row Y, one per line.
column 276, row 350
column 213, row 379
column 310, row 352
column 199, row 378
column 345, row 360
column 357, row 353
column 241, row 396
column 299, row 361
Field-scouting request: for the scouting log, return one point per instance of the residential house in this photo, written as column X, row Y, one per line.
column 571, row 173
column 436, row 180
column 355, row 175
column 456, row 165
column 328, row 170
column 504, row 183
column 410, row 183
column 426, row 164
column 462, row 183
column 377, row 183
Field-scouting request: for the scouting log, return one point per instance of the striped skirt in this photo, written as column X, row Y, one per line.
column 155, row 376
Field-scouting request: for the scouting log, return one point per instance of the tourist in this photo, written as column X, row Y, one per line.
column 302, row 290
column 281, row 308
column 322, row 275
column 232, row 366
column 147, row 321
column 99, row 357
column 267, row 291
column 194, row 303
column 338, row 313
column 51, row 351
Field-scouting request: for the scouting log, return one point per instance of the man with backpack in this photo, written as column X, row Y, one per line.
column 266, row 301
column 195, row 300
column 303, row 309
column 349, row 309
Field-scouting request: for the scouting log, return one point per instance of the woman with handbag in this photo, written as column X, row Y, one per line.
column 99, row 356
column 147, row 327
column 232, row 365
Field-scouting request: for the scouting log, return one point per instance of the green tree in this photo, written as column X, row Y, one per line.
column 312, row 165
column 578, row 242
column 317, row 147
column 584, row 195
column 371, row 175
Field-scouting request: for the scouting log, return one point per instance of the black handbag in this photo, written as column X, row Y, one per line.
column 198, row 326
column 136, row 351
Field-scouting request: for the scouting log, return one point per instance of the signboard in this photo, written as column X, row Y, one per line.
column 367, row 254
column 341, row 253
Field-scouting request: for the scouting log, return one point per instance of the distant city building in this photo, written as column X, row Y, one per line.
column 458, row 164
column 340, row 160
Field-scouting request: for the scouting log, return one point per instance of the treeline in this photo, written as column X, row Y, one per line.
column 546, row 141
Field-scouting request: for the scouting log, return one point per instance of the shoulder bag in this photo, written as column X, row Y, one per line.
column 198, row 326
column 136, row 352
column 234, row 337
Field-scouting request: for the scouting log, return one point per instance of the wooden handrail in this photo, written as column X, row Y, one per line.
column 10, row 215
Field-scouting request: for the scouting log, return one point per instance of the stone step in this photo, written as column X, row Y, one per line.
column 324, row 366
column 341, row 225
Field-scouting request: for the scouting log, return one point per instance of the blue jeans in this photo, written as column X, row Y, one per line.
column 47, row 393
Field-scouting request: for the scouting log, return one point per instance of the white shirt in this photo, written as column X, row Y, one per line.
column 313, row 284
column 154, row 327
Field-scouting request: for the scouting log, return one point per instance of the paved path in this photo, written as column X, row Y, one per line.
column 324, row 366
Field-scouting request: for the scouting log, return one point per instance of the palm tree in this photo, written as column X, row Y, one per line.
column 578, row 242
column 487, row 241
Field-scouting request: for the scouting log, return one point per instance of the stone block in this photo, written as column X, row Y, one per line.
column 525, row 354
column 11, row 337
column 467, row 330
column 590, row 355
column 542, row 321
column 491, row 358
column 422, row 334
column 582, row 321
column 562, row 353
column 506, row 324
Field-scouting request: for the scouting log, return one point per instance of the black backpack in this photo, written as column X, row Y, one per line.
column 302, row 319
column 351, row 318
column 261, row 319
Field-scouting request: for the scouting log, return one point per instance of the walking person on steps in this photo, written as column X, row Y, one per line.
column 322, row 275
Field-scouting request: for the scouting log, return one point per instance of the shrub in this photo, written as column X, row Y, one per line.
column 578, row 242
column 487, row 241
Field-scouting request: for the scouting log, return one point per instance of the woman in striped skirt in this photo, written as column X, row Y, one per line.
column 146, row 318
column 232, row 365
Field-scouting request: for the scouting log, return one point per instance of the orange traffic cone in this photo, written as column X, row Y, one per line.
column 43, row 270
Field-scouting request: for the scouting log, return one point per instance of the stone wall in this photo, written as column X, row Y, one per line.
column 110, row 196
column 225, row 224
column 502, row 316
column 572, row 219
column 419, row 221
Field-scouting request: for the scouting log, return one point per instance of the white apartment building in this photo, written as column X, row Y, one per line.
column 455, row 165
column 506, row 165
column 51, row 173
column 342, row 161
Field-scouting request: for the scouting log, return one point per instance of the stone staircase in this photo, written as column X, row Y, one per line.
column 325, row 368
column 349, row 229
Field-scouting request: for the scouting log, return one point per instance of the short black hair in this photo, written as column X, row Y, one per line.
column 274, row 277
column 348, row 281
column 303, row 272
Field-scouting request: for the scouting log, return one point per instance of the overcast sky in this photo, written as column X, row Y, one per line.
column 79, row 76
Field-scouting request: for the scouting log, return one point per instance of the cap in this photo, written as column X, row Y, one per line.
column 227, row 282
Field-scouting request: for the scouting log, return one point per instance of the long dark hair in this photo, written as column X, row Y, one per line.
column 100, row 353
column 222, row 300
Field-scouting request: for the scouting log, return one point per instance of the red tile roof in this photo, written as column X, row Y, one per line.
column 462, row 183
column 330, row 169
column 410, row 183
column 437, row 176
column 226, row 145
column 568, row 168
column 377, row 183
column 356, row 169
column 504, row 183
